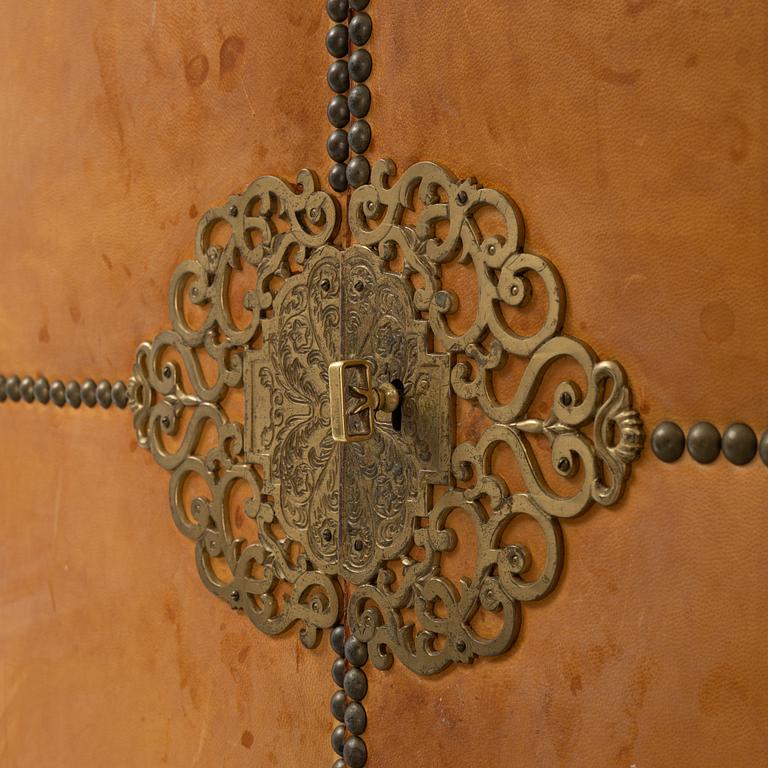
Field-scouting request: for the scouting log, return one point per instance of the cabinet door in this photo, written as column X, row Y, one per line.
column 122, row 122
column 631, row 136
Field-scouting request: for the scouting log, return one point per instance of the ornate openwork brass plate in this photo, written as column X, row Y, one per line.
column 350, row 368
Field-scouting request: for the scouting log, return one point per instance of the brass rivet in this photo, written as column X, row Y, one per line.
column 668, row 441
column 355, row 683
column 355, row 718
column 360, row 28
column 337, row 640
column 355, row 752
column 338, row 111
column 337, row 739
column 704, row 442
column 360, row 64
column 338, row 76
column 739, row 444
column 338, row 671
column 337, row 40
column 339, row 705
column 359, row 100
column 337, row 177
column 358, row 171
column 764, row 447
column 104, row 393
column 338, row 10
column 355, row 652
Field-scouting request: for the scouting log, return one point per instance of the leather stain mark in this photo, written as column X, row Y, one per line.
column 112, row 110
column 42, row 335
column 737, row 138
column 720, row 689
column 298, row 17
column 598, row 656
column 636, row 7
column 231, row 50
column 717, row 321
column 230, row 58
column 105, row 56
column 196, row 70
column 576, row 684
column 247, row 739
column 634, row 698
column 106, row 260
column 185, row 662
column 230, row 649
column 193, row 211
column 617, row 76
column 692, row 61
column 75, row 313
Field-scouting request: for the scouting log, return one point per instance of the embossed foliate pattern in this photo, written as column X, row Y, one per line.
column 352, row 505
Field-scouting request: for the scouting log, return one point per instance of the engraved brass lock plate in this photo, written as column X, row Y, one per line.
column 350, row 498
column 350, row 370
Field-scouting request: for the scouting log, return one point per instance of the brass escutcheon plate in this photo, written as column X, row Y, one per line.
column 351, row 372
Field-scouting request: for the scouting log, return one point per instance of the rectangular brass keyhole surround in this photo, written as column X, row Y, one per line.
column 354, row 420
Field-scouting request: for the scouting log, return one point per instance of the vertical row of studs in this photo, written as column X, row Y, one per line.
column 346, row 703
column 349, row 104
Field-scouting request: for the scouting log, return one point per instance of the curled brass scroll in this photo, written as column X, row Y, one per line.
column 373, row 513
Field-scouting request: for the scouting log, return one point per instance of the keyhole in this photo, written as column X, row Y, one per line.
column 397, row 414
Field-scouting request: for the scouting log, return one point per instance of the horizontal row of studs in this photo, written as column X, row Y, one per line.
column 346, row 706
column 738, row 443
column 343, row 106
column 89, row 393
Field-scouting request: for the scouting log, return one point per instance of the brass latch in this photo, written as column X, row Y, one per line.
column 353, row 421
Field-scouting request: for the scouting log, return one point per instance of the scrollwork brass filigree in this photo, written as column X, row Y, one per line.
column 375, row 513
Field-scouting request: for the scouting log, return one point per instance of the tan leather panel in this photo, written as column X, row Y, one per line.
column 120, row 123
column 651, row 650
column 632, row 136
column 112, row 652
